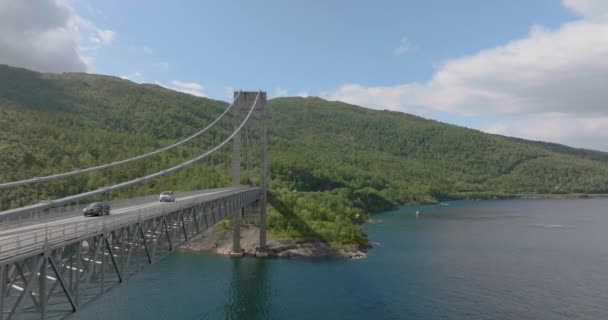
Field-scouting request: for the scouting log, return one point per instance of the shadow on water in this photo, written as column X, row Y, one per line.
column 249, row 290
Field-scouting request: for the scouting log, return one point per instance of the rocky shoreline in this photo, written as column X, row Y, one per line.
column 221, row 243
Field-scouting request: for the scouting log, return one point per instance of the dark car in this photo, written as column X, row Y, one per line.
column 96, row 209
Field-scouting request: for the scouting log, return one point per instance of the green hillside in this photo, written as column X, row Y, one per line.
column 321, row 145
column 341, row 160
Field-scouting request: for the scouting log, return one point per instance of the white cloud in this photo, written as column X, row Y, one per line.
column 497, row 128
column 132, row 76
column 187, row 85
column 592, row 9
column 192, row 88
column 106, row 36
column 393, row 98
column 91, row 9
column 97, row 37
column 585, row 132
column 280, row 92
column 403, row 48
column 303, row 94
column 560, row 71
column 548, row 71
column 48, row 36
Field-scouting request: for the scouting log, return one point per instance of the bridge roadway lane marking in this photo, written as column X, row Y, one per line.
column 115, row 212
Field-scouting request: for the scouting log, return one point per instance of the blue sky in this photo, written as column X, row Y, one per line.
column 300, row 45
column 532, row 69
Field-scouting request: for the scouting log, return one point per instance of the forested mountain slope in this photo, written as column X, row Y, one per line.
column 342, row 160
column 321, row 145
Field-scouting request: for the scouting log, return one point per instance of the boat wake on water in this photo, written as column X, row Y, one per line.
column 551, row 226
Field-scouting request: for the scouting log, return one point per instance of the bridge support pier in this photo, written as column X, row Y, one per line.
column 261, row 254
column 263, row 174
column 236, row 233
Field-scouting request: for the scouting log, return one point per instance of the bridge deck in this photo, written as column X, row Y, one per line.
column 71, row 224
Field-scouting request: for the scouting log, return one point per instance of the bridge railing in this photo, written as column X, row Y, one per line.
column 36, row 217
column 23, row 242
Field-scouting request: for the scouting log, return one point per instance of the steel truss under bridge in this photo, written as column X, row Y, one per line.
column 63, row 275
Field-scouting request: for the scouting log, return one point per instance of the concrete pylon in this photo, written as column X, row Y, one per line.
column 263, row 173
column 243, row 102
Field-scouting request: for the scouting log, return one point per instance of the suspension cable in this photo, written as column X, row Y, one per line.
column 112, row 164
column 101, row 191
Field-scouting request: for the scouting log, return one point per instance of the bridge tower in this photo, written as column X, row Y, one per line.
column 242, row 104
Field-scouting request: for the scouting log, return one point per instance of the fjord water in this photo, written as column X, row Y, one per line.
column 516, row 259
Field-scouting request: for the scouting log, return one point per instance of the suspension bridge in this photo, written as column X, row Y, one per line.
column 54, row 260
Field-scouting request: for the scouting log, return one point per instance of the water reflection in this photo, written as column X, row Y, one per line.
column 249, row 290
